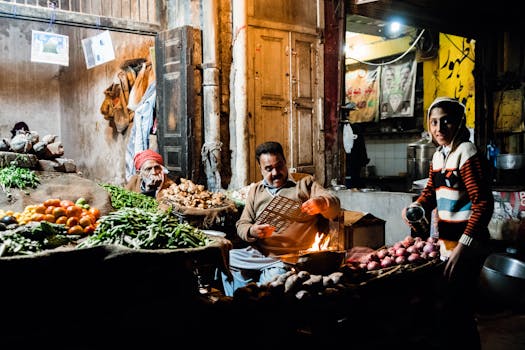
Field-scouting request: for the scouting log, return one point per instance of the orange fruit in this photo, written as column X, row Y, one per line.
column 59, row 211
column 85, row 221
column 66, row 203
column 89, row 229
column 37, row 217
column 49, row 218
column 61, row 220
column 95, row 212
column 71, row 221
column 74, row 211
column 40, row 209
column 75, row 230
column 49, row 209
column 55, row 202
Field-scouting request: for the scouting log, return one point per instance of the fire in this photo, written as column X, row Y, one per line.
column 320, row 243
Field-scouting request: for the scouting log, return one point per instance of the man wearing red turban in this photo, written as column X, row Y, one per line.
column 151, row 174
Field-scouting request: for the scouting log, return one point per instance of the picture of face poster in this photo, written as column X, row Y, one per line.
column 397, row 88
column 49, row 48
column 362, row 88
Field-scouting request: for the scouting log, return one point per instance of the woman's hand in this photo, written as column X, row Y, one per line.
column 314, row 205
column 261, row 231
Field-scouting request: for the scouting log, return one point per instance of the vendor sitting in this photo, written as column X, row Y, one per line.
column 151, row 175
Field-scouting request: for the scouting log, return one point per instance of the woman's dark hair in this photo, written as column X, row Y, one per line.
column 19, row 126
column 270, row 147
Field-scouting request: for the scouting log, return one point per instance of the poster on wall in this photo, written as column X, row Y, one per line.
column 508, row 111
column 455, row 74
column 397, row 88
column 49, row 47
column 98, row 49
column 362, row 88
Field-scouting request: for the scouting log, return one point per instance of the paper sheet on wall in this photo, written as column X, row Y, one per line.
column 509, row 111
column 49, row 47
column 98, row 49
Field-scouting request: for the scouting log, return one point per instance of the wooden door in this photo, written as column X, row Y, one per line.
column 304, row 122
column 269, row 104
column 179, row 115
column 282, row 107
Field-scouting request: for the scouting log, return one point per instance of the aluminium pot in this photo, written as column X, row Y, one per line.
column 503, row 280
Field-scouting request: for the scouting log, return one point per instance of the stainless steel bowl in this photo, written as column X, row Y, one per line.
column 503, row 280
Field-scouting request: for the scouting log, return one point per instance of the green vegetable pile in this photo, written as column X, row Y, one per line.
column 123, row 198
column 33, row 238
column 143, row 229
column 13, row 176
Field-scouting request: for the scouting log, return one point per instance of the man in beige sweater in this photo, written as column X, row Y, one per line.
column 259, row 262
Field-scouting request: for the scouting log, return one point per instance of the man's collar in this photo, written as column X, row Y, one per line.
column 289, row 181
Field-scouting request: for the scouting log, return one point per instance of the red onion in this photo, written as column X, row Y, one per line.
column 372, row 265
column 401, row 251
column 382, row 253
column 430, row 247
column 387, row 262
column 400, row 260
column 414, row 257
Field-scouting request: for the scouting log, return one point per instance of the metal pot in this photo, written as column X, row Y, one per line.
column 503, row 280
column 419, row 156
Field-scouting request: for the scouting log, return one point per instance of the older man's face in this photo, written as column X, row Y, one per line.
column 151, row 173
column 273, row 169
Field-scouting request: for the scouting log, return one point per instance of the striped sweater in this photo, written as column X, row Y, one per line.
column 459, row 189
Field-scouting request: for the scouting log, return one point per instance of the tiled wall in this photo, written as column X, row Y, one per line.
column 389, row 156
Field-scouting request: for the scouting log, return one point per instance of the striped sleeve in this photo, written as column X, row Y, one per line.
column 480, row 196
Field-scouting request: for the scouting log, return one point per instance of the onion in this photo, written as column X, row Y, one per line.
column 430, row 247
column 432, row 239
column 372, row 265
column 412, row 249
column 397, row 245
column 408, row 241
column 401, row 251
column 400, row 260
column 433, row 255
column 414, row 257
column 382, row 253
column 387, row 262
column 419, row 244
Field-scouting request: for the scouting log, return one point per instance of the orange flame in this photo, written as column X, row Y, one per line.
column 320, row 243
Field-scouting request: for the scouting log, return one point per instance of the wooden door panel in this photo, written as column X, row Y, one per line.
column 178, row 111
column 269, row 68
column 303, row 113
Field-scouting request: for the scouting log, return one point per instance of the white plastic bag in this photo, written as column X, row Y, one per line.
column 348, row 137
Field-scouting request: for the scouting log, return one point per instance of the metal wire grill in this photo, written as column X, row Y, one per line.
column 281, row 212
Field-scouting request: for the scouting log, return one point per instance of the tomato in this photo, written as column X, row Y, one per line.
column 73, row 211
column 55, row 202
column 95, row 212
column 66, row 203
column 62, row 220
column 59, row 211
column 75, row 230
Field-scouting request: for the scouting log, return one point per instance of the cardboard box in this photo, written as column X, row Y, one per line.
column 362, row 229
